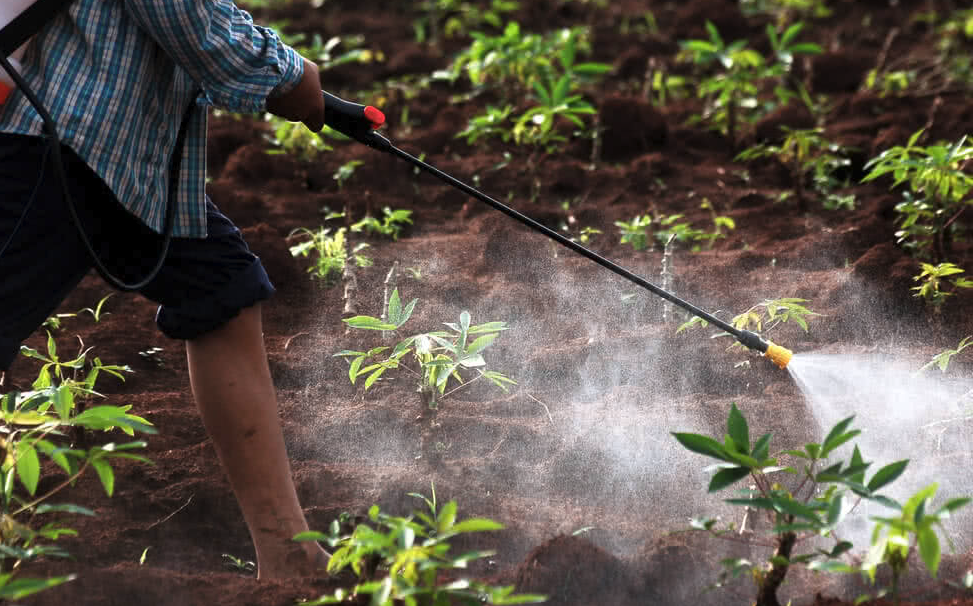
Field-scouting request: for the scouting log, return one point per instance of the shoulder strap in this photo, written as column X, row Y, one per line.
column 28, row 23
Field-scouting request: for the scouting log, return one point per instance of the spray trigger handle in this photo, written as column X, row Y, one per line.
column 352, row 119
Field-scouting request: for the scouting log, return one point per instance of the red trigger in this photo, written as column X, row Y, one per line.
column 375, row 116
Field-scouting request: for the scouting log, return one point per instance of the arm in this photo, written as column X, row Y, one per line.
column 240, row 66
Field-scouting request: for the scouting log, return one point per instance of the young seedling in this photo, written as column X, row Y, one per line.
column 942, row 359
column 331, row 250
column 403, row 560
column 808, row 156
column 933, row 279
column 813, row 508
column 345, row 172
column 440, row 356
column 763, row 318
column 392, row 223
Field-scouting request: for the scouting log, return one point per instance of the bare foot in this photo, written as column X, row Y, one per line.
column 307, row 560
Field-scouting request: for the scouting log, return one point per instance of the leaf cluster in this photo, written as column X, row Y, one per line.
column 457, row 18
column 400, row 560
column 34, row 426
column 439, row 355
column 330, row 250
column 938, row 191
column 391, row 224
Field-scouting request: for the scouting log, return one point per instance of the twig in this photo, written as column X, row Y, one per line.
column 886, row 47
column 351, row 285
column 166, row 519
column 549, row 417
column 287, row 343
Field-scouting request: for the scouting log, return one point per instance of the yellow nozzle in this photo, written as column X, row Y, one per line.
column 780, row 356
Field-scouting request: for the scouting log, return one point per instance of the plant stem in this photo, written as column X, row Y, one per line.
column 767, row 594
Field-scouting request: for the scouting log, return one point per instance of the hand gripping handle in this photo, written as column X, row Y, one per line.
column 353, row 119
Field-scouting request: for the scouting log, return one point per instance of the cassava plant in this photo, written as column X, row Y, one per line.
column 763, row 317
column 939, row 182
column 401, row 560
column 810, row 158
column 939, row 282
column 36, row 425
column 391, row 224
column 331, row 250
column 811, row 504
column 438, row 357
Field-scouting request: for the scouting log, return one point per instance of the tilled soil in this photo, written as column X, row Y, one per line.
column 576, row 459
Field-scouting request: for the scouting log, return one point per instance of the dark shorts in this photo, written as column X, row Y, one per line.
column 202, row 285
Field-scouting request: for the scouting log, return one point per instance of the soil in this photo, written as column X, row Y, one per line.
column 576, row 459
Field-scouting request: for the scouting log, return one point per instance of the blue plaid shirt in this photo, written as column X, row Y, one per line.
column 118, row 75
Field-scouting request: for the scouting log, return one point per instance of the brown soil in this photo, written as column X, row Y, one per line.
column 581, row 443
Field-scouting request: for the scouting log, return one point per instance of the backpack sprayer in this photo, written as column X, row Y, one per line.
column 359, row 123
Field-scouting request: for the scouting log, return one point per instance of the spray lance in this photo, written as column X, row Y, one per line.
column 359, row 123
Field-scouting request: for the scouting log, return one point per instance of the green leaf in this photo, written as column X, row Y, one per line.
column 929, row 549
column 475, row 525
column 702, row 445
column 887, row 475
column 105, row 474
column 737, row 427
column 64, row 508
column 21, row 588
column 28, row 466
column 369, row 323
column 725, row 477
column 761, row 447
column 395, row 308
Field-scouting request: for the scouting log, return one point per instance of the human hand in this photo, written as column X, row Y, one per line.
column 304, row 102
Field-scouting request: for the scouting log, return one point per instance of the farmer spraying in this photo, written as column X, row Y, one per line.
column 127, row 83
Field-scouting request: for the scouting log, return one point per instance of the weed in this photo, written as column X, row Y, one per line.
column 815, row 507
column 399, row 560
column 933, row 279
column 33, row 425
column 440, row 355
column 938, row 188
column 671, row 228
column 97, row 313
column 331, row 250
column 392, row 223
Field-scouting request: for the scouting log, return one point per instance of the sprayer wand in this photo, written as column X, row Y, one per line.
column 359, row 123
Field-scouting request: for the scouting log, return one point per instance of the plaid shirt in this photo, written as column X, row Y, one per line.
column 118, row 75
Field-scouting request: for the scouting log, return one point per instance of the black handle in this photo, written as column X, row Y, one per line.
column 353, row 120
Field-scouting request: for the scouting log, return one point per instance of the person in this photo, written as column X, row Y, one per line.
column 119, row 78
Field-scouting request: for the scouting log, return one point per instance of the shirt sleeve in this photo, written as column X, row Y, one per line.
column 237, row 64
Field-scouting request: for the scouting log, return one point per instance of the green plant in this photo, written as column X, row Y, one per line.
column 345, row 172
column 812, row 508
column 636, row 232
column 555, row 100
column 331, row 250
column 894, row 537
column 392, row 223
column 732, row 95
column 33, row 426
column 933, row 279
column 239, row 564
column 401, row 560
column 942, row 359
column 938, row 192
column 54, row 322
column 456, row 18
column 763, row 317
column 807, row 154
column 786, row 10
column 439, row 356
column 493, row 123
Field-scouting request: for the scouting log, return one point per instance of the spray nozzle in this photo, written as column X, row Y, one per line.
column 780, row 356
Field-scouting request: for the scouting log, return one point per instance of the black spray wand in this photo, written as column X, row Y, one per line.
column 359, row 123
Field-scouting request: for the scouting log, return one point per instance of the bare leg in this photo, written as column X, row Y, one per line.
column 235, row 394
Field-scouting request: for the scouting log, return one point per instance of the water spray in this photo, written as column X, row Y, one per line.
column 359, row 123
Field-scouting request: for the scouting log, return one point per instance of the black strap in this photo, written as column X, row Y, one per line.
column 28, row 23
